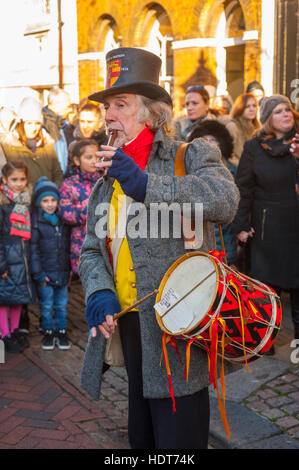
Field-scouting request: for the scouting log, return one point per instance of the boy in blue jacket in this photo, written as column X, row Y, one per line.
column 50, row 264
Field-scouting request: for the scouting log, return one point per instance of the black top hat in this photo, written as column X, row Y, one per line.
column 132, row 70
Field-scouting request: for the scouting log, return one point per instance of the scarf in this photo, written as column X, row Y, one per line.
column 53, row 219
column 276, row 147
column 20, row 216
column 280, row 148
column 140, row 148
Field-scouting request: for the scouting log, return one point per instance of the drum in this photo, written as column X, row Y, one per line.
column 202, row 300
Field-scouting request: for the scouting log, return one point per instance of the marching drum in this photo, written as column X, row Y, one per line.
column 202, row 300
column 207, row 303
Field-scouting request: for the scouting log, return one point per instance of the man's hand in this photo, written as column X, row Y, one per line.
column 107, row 328
column 100, row 308
column 123, row 168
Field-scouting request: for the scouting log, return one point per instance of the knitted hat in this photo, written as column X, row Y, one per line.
column 44, row 187
column 269, row 103
column 30, row 110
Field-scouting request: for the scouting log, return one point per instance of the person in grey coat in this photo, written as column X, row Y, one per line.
column 140, row 165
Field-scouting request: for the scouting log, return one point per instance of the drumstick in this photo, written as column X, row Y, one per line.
column 111, row 140
column 126, row 310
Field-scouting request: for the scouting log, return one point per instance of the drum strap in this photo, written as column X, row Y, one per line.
column 179, row 170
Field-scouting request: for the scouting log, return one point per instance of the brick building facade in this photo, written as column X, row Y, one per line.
column 215, row 43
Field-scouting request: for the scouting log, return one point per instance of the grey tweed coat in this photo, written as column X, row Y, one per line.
column 207, row 181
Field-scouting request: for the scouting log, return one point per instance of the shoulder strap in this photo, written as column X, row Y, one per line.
column 179, row 170
column 179, row 165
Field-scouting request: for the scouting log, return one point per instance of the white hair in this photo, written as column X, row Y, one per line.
column 156, row 114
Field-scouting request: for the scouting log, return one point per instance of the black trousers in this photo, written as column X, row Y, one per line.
column 152, row 423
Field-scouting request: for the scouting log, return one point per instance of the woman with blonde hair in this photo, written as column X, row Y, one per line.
column 243, row 122
column 268, row 213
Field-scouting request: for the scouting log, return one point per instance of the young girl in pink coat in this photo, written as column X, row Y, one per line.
column 74, row 194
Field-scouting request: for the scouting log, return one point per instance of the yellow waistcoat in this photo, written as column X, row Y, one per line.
column 125, row 279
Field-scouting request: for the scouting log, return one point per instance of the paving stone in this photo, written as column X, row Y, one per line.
column 50, row 434
column 27, row 442
column 289, row 378
column 11, row 423
column 4, row 402
column 41, row 415
column 49, row 396
column 294, row 432
column 286, row 388
column 16, row 435
column 38, row 423
column 259, row 406
column 287, row 422
column 66, row 413
column 291, row 409
column 294, row 396
column 268, row 393
column 28, row 405
column 279, row 401
column 281, row 441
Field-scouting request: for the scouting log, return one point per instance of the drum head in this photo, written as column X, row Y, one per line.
column 186, row 293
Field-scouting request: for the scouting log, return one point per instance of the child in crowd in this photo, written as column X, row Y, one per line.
column 74, row 194
column 50, row 265
column 15, row 233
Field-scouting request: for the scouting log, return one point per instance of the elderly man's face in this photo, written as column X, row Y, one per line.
column 121, row 114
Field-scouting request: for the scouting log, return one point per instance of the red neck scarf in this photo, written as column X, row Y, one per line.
column 140, row 148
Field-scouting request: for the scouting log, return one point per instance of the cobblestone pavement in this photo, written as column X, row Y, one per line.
column 43, row 406
column 278, row 401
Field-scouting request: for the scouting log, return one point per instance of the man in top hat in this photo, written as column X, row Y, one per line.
column 117, row 268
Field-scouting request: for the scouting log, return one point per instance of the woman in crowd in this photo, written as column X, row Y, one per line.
column 256, row 89
column 268, row 212
column 243, row 123
column 30, row 143
column 197, row 107
column 221, row 104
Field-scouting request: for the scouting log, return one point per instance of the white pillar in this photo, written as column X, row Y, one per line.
column 221, row 56
column 267, row 43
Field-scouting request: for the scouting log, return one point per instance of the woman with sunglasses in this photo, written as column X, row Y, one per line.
column 197, row 107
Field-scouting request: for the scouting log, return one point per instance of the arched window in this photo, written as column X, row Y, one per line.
column 156, row 35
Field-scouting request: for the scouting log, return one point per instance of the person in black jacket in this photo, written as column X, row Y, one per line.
column 268, row 211
column 50, row 264
column 15, row 232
